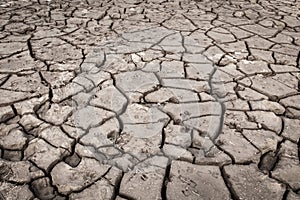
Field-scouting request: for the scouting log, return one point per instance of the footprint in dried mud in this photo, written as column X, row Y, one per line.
column 158, row 95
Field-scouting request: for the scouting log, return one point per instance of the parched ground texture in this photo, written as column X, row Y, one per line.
column 154, row 99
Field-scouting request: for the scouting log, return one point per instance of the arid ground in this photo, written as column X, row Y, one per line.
column 149, row 100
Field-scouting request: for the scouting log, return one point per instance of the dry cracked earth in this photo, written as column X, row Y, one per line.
column 154, row 99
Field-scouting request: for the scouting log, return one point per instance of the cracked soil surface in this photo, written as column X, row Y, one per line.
column 145, row 100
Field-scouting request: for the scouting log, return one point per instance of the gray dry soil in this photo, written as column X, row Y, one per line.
column 149, row 100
